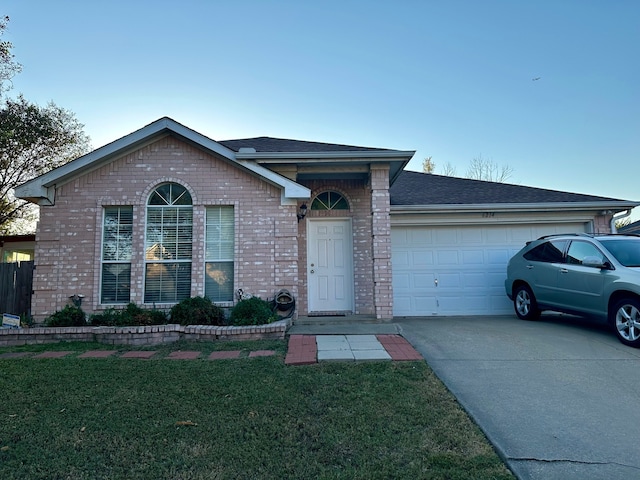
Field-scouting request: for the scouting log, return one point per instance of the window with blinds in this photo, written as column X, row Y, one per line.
column 117, row 242
column 168, row 245
column 219, row 252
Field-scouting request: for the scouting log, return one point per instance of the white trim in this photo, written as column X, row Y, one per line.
column 291, row 189
column 311, row 238
column 510, row 207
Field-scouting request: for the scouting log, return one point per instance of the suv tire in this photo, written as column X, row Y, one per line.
column 626, row 321
column 524, row 303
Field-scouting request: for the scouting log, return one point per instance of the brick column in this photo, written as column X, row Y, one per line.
column 381, row 242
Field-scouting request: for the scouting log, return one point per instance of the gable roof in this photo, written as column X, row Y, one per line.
column 418, row 190
column 248, row 154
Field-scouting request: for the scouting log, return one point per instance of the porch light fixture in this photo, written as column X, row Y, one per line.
column 302, row 211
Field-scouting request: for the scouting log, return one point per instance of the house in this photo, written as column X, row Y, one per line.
column 17, row 248
column 631, row 229
column 165, row 213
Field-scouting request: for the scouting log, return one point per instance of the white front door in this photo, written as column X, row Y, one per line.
column 330, row 265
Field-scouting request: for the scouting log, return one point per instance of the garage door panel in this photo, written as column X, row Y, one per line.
column 401, row 280
column 401, row 258
column 499, row 257
column 421, row 257
column 423, row 280
column 447, row 257
column 458, row 270
column 471, row 236
column 470, row 280
column 497, row 235
column 445, row 237
column 449, row 280
column 473, row 257
column 500, row 305
column 451, row 305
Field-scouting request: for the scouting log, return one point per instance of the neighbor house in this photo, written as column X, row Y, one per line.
column 166, row 213
column 17, row 248
column 631, row 228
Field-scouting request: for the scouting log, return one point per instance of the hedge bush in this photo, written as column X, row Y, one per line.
column 197, row 311
column 131, row 315
column 252, row 311
column 69, row 316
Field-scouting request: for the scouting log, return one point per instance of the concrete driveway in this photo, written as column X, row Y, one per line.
column 559, row 397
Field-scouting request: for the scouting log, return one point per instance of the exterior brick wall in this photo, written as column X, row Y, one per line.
column 381, row 229
column 69, row 235
column 148, row 335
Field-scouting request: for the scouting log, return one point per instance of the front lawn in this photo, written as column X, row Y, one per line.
column 250, row 418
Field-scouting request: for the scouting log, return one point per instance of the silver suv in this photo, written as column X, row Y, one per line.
column 582, row 274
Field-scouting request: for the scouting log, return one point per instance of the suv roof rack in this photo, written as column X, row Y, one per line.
column 572, row 234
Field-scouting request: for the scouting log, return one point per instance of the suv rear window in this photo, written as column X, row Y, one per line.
column 549, row 252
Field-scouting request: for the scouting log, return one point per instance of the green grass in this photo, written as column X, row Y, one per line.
column 253, row 419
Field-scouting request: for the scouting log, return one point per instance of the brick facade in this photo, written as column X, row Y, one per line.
column 270, row 247
column 69, row 233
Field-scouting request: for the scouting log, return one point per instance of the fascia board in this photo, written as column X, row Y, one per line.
column 510, row 207
column 290, row 188
column 328, row 157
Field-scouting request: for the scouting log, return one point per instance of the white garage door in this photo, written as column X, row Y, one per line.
column 458, row 270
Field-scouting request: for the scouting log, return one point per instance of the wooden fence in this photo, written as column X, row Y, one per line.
column 16, row 285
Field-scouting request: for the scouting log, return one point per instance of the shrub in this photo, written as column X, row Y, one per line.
column 131, row 315
column 197, row 311
column 69, row 316
column 144, row 316
column 252, row 311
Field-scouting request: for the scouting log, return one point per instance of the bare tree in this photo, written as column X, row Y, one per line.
column 8, row 66
column 488, row 170
column 449, row 170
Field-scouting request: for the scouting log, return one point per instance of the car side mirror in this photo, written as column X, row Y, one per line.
column 596, row 262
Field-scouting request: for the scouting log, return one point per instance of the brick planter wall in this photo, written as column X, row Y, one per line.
column 147, row 335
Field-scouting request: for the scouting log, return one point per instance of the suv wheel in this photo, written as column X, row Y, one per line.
column 626, row 315
column 525, row 303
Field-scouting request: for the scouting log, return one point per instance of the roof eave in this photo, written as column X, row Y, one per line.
column 290, row 188
column 293, row 157
column 606, row 207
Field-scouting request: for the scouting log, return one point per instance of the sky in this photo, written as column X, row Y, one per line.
column 547, row 88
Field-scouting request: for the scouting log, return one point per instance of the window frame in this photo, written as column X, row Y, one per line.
column 179, row 268
column 127, row 260
column 228, row 231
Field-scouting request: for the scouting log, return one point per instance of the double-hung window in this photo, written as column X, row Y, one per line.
column 219, row 248
column 168, row 245
column 117, row 235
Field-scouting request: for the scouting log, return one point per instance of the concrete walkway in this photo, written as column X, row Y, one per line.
column 308, row 349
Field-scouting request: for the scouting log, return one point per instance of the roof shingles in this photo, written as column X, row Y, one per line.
column 415, row 188
column 270, row 145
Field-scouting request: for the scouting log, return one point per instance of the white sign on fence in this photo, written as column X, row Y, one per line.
column 10, row 321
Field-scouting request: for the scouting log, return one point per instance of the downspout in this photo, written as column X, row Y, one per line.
column 614, row 219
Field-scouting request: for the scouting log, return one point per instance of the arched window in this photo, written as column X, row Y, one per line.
column 329, row 201
column 168, row 244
